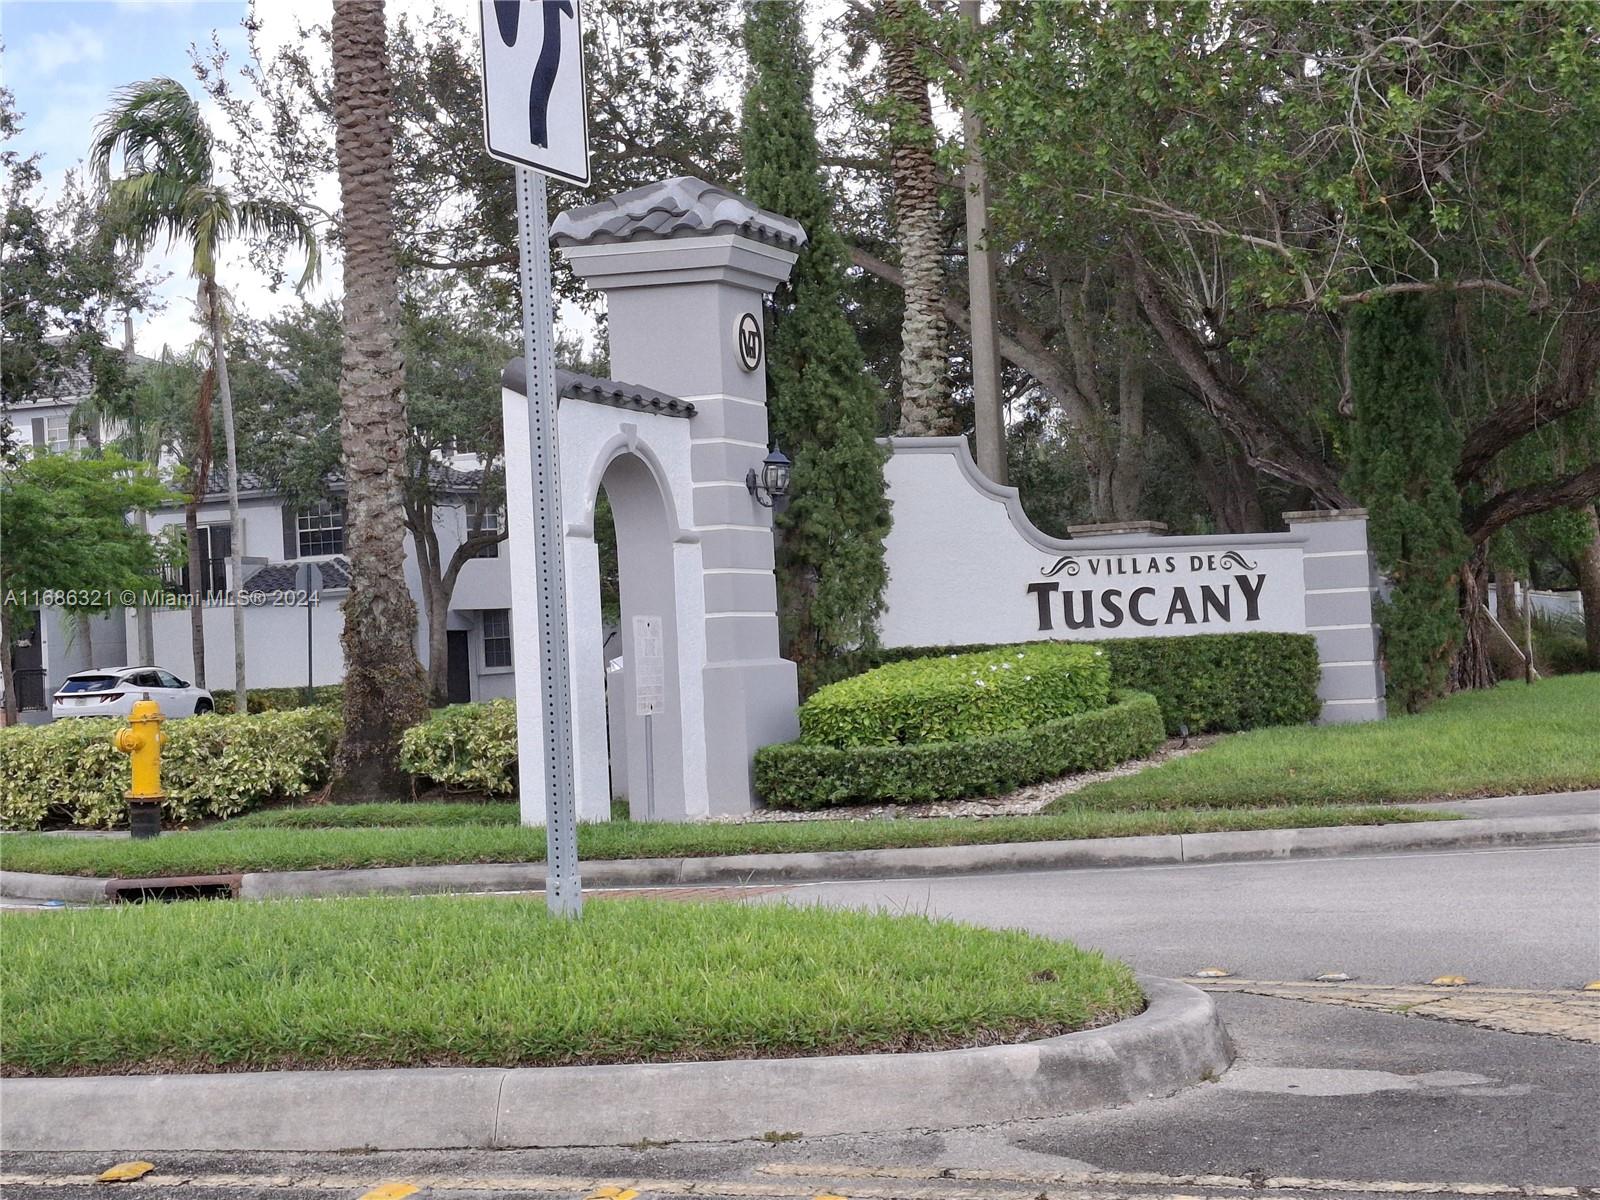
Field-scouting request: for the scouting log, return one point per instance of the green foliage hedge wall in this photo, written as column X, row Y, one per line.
column 800, row 776
column 329, row 695
column 212, row 766
column 1214, row 683
column 1223, row 682
column 942, row 699
column 471, row 747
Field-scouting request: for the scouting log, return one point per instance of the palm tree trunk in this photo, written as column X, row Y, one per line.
column 197, row 612
column 219, row 362
column 924, row 405
column 384, row 688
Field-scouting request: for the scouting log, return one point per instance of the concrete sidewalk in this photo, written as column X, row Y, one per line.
column 1494, row 821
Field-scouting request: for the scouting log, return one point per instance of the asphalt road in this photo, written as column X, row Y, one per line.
column 1320, row 1094
column 1525, row 918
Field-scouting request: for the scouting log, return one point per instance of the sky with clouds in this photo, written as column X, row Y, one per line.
column 64, row 60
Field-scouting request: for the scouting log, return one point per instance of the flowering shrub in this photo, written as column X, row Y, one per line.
column 472, row 747
column 212, row 766
column 958, row 696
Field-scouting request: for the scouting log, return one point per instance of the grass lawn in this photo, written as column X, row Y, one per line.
column 455, row 981
column 226, row 849
column 393, row 815
column 1512, row 739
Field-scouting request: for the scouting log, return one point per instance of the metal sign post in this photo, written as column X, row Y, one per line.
column 307, row 580
column 563, row 888
column 649, row 695
column 536, row 117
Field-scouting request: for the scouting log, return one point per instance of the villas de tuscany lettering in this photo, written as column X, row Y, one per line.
column 1233, row 597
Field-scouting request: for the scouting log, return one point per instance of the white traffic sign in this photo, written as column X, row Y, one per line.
column 535, row 104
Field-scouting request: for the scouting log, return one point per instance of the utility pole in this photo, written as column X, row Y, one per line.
column 988, row 412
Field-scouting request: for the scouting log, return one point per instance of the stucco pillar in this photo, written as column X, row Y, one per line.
column 1340, row 584
column 684, row 267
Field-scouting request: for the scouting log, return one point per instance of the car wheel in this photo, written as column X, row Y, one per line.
column 202, row 707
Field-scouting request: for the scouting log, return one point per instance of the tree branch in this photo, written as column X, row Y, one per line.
column 1573, row 387
column 1497, row 512
column 1266, row 444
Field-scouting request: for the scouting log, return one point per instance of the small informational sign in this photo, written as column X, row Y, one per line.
column 747, row 339
column 649, row 667
column 535, row 110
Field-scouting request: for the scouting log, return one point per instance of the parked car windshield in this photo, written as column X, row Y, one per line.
column 88, row 683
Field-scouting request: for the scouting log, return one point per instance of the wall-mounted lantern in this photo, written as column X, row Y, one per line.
column 771, row 487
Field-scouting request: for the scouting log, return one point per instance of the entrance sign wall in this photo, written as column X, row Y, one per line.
column 684, row 266
column 966, row 566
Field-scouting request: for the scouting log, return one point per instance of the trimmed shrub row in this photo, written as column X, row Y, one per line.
column 329, row 695
column 212, row 766
column 948, row 698
column 1223, row 682
column 1215, row 682
column 471, row 747
column 800, row 776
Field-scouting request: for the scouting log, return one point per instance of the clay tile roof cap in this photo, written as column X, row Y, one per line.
column 673, row 208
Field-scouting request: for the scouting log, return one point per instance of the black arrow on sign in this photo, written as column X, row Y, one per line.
column 507, row 15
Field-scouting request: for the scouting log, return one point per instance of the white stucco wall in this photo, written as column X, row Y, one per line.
column 962, row 557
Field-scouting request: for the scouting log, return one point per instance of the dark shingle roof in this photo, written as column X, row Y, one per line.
column 283, row 577
column 673, row 208
column 571, row 385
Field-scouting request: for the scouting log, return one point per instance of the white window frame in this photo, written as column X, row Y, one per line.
column 485, row 638
column 317, row 521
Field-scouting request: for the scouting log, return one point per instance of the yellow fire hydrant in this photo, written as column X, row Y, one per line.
column 141, row 741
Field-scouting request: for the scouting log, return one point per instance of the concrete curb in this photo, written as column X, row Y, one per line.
column 733, row 869
column 1176, row 1042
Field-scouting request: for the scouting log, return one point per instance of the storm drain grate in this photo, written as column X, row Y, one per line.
column 173, row 887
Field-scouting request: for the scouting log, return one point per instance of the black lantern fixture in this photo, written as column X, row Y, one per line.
column 771, row 487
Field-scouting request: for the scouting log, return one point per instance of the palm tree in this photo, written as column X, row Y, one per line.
column 170, row 193
column 924, row 406
column 384, row 691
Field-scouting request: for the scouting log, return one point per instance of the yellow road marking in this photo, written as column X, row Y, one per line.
column 392, row 1191
column 125, row 1172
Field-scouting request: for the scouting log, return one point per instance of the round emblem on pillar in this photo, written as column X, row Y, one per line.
column 747, row 340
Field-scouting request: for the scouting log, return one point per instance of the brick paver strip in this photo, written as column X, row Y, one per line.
column 1574, row 1015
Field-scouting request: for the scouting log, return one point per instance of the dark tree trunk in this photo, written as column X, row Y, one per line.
column 1589, row 588
column 1505, row 600
column 197, row 612
column 384, row 689
column 1472, row 667
column 7, row 680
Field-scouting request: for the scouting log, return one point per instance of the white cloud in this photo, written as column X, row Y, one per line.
column 47, row 53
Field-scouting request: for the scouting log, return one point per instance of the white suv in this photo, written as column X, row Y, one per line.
column 112, row 691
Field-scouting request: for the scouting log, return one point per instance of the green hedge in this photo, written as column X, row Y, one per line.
column 958, row 696
column 1214, row 682
column 471, row 747
column 329, row 695
column 212, row 766
column 800, row 776
column 1223, row 682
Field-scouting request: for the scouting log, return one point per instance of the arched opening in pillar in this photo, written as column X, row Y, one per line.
column 644, row 714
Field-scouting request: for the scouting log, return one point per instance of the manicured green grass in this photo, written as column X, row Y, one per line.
column 224, row 849
column 1513, row 739
column 438, row 981
column 395, row 814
